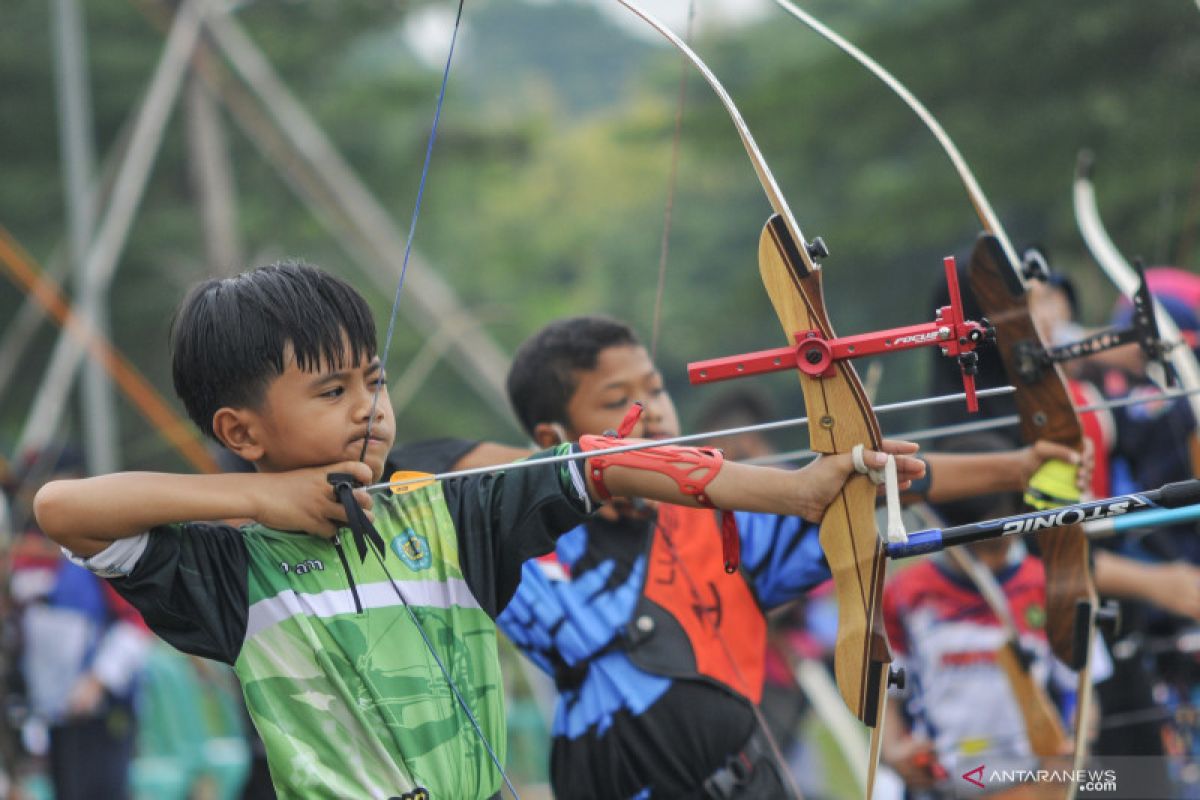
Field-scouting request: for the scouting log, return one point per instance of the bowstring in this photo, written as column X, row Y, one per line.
column 412, row 227
column 397, row 483
column 387, row 345
column 672, row 184
column 645, row 444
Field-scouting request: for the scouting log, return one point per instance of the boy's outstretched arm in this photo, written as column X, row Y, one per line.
column 741, row 487
column 88, row 514
column 958, row 475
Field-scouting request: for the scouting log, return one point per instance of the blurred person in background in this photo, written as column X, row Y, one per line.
column 1136, row 447
column 618, row 713
column 9, row 748
column 81, row 648
column 1150, row 447
column 959, row 705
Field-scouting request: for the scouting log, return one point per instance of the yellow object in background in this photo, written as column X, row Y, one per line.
column 1053, row 485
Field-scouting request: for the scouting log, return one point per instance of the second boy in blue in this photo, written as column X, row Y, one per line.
column 656, row 652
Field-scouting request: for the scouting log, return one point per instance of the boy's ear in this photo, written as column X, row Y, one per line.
column 234, row 428
column 548, row 434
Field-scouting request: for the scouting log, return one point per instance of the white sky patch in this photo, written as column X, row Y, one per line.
column 427, row 32
column 674, row 13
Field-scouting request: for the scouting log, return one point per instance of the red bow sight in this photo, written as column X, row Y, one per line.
column 814, row 354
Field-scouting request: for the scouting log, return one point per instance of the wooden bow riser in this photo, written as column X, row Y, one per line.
column 1046, row 413
column 839, row 418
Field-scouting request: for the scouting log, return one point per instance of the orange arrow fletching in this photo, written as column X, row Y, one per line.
column 405, row 481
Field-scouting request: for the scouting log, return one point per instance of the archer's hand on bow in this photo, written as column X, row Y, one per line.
column 1041, row 451
column 824, row 478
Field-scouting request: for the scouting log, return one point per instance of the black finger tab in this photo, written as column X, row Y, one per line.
column 344, row 485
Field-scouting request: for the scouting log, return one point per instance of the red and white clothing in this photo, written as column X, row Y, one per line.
column 1100, row 427
column 946, row 636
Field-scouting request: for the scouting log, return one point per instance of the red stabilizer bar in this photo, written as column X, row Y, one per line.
column 814, row 355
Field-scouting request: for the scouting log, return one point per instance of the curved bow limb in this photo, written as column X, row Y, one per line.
column 1046, row 412
column 839, row 418
column 1072, row 604
column 1119, row 271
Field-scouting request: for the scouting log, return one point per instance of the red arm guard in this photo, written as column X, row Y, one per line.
column 692, row 469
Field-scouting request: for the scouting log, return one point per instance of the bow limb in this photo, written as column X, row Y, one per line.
column 1045, row 405
column 765, row 177
column 1095, row 236
column 840, row 417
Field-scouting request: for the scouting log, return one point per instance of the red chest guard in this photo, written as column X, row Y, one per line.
column 702, row 621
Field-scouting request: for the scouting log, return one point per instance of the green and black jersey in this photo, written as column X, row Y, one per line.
column 347, row 697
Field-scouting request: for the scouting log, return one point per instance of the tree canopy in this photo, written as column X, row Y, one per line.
column 549, row 176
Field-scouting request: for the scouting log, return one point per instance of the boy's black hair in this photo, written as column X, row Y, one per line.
column 231, row 335
column 543, row 375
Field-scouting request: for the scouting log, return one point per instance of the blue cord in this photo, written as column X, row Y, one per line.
column 412, row 226
column 387, row 346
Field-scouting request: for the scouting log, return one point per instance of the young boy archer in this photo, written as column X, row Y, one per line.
column 657, row 654
column 366, row 676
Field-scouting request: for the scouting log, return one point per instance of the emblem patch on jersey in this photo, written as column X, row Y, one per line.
column 413, row 549
column 1035, row 617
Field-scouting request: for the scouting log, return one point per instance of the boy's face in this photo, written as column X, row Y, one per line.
column 623, row 375
column 311, row 419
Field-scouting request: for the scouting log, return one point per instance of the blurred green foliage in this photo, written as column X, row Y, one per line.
column 547, row 190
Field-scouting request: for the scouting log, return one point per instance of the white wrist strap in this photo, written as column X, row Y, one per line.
column 888, row 476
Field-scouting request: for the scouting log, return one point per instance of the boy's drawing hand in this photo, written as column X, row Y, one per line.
column 303, row 500
column 824, row 478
